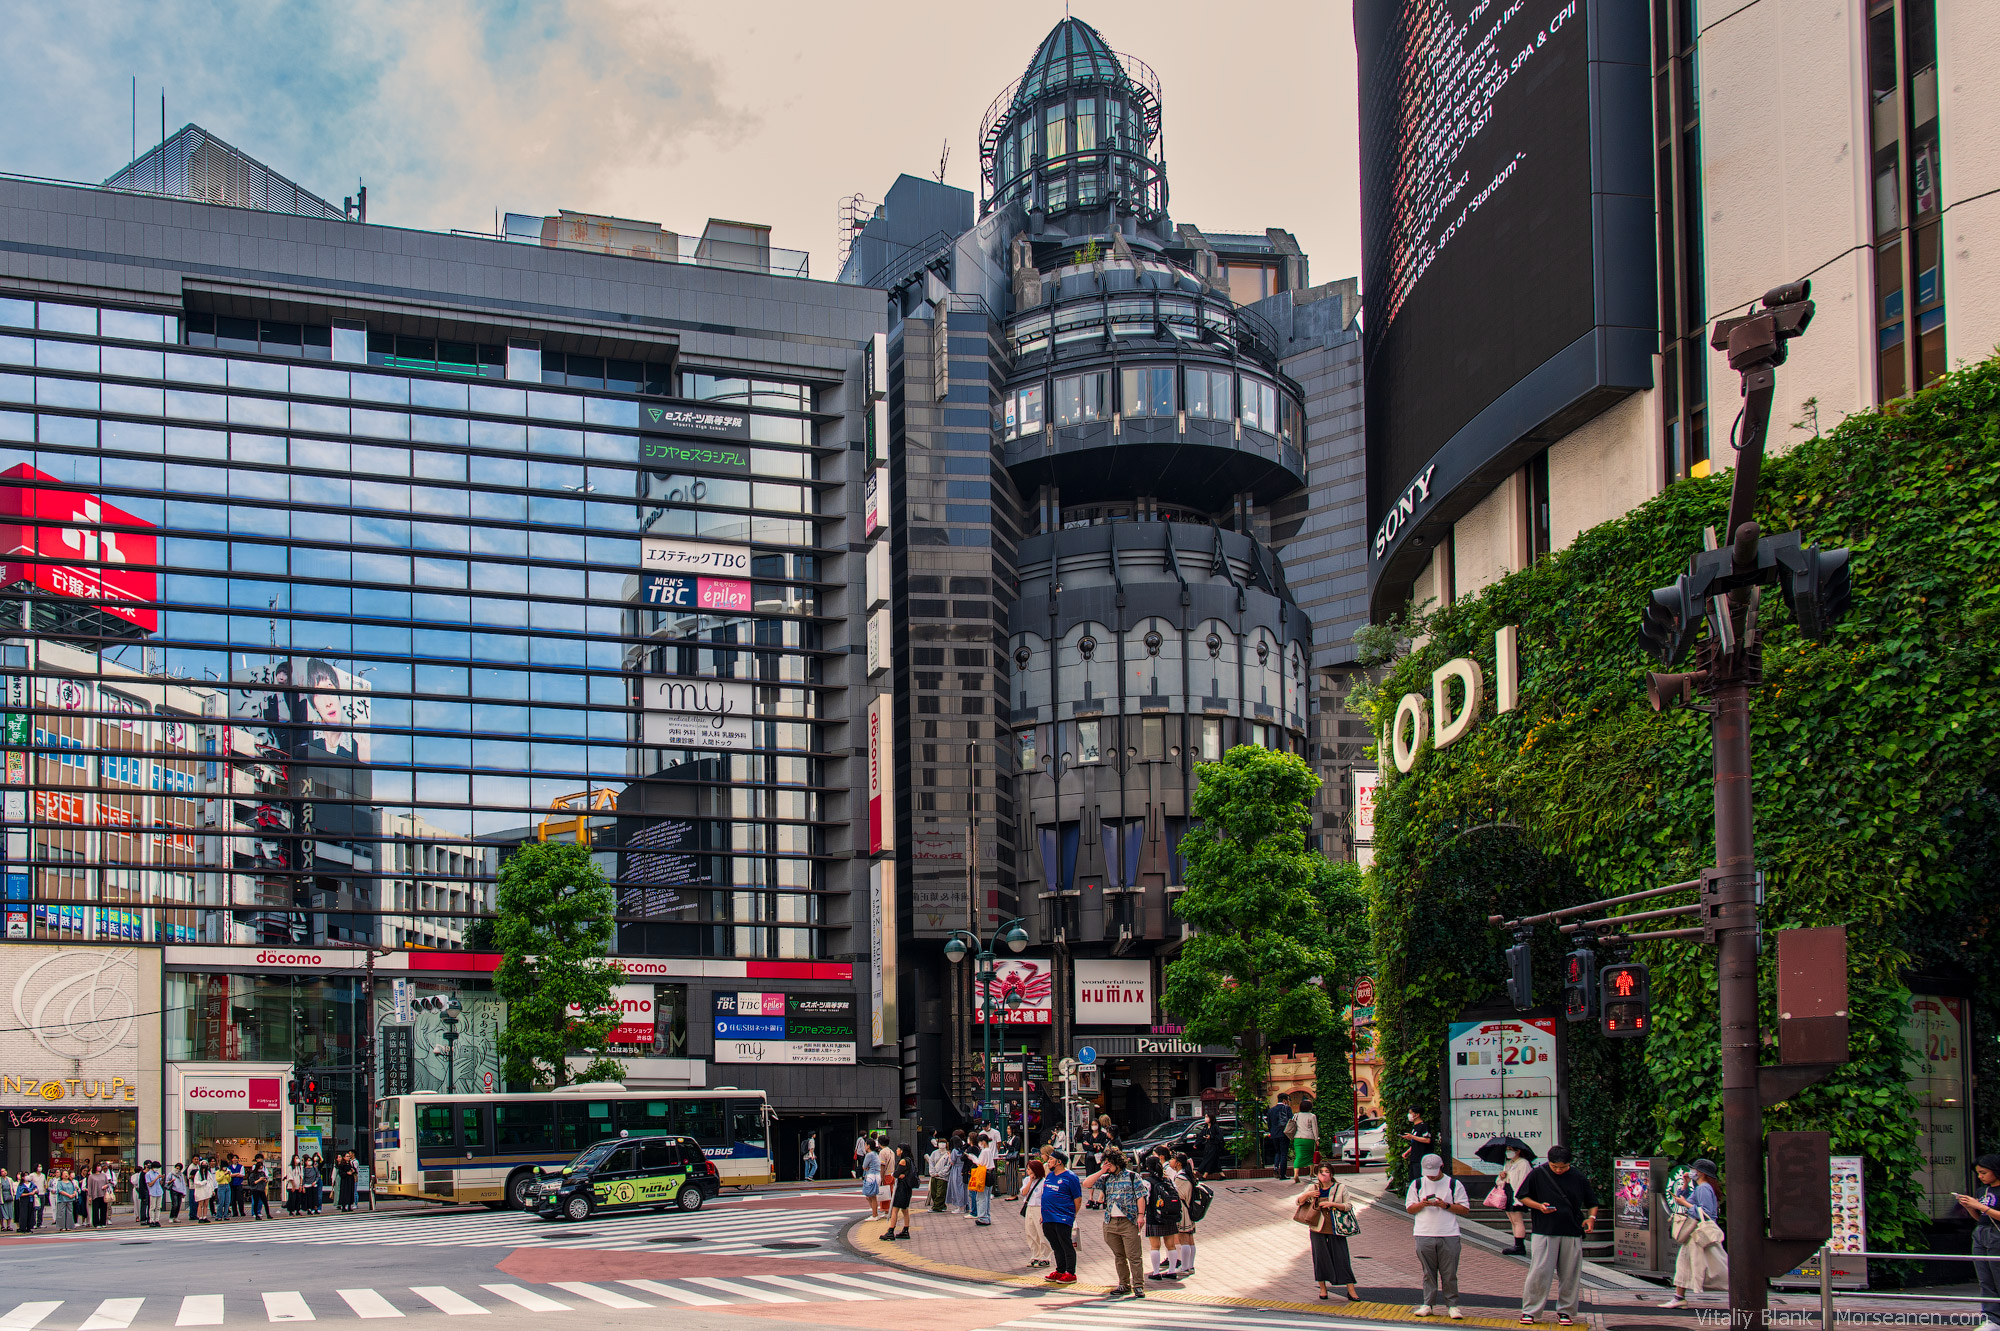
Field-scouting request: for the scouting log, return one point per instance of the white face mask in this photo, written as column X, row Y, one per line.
column 1513, row 1154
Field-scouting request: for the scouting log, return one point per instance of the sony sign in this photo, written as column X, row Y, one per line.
column 690, row 713
column 1415, row 714
column 1404, row 510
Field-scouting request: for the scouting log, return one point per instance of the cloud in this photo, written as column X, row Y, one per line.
column 448, row 109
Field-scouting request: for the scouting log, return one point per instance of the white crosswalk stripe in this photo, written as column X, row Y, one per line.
column 858, row 1284
column 734, row 1230
column 1148, row 1315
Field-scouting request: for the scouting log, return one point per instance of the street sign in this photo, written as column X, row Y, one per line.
column 1068, row 1067
column 1364, row 992
column 1086, row 1055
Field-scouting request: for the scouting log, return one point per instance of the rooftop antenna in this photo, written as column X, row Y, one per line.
column 135, row 119
column 943, row 157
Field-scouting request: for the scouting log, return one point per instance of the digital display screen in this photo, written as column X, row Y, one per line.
column 1476, row 212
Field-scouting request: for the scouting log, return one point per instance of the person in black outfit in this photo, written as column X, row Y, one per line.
column 899, row 1199
column 1563, row 1207
column 1421, row 1141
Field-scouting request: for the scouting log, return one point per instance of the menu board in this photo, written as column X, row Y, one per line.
column 1850, row 1230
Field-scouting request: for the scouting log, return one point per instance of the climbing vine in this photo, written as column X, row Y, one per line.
column 1875, row 766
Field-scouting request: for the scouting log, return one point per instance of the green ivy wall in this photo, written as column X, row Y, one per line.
column 1875, row 762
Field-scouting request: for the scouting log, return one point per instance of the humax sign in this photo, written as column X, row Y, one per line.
column 1415, row 714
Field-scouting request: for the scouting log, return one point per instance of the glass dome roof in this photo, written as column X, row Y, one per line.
column 1072, row 53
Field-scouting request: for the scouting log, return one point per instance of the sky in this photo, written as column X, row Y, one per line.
column 676, row 112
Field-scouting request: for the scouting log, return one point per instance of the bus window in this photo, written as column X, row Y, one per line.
column 746, row 1129
column 701, row 1120
column 434, row 1126
column 584, row 1122
column 472, row 1129
column 638, row 1116
column 524, row 1125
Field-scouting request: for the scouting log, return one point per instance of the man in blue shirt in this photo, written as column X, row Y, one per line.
column 1060, row 1194
column 1275, row 1118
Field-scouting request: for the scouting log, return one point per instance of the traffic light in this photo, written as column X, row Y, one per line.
column 1626, row 1000
column 1580, row 984
column 1817, row 587
column 293, row 1097
column 1520, row 977
column 311, row 1089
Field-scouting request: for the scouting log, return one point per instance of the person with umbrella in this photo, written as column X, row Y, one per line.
column 1515, row 1158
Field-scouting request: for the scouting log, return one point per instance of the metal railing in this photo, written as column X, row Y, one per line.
column 1826, row 1291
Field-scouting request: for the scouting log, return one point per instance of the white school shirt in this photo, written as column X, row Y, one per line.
column 1435, row 1222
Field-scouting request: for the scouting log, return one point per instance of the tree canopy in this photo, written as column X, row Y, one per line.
column 554, row 923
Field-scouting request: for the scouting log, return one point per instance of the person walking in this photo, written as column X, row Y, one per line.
column 1985, row 1212
column 1437, row 1202
column 1419, row 1141
column 1277, row 1136
column 1332, row 1263
column 863, row 1146
column 1061, row 1194
column 1125, row 1198
column 899, row 1202
column 1033, row 1181
column 809, row 1165
column 1304, row 1128
column 1565, row 1208
column 1701, row 1261
column 1512, row 1175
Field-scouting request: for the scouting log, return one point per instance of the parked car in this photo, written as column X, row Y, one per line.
column 1182, row 1134
column 1374, row 1142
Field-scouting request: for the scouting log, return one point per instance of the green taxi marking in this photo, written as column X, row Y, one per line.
column 638, row 1191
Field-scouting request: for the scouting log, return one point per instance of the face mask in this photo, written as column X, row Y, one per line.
column 1513, row 1155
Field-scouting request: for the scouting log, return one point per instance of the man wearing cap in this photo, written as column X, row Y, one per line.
column 1437, row 1202
column 1564, row 1208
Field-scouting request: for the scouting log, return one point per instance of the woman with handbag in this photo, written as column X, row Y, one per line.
column 1039, row 1251
column 1327, row 1212
column 1702, row 1261
column 1505, row 1197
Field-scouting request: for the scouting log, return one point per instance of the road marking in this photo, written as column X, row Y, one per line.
column 447, row 1300
column 744, row 1291
column 527, row 1298
column 954, row 1291
column 895, row 1290
column 686, row 1296
column 200, row 1310
column 818, row 1291
column 367, row 1303
column 283, row 1306
column 28, row 1315
column 112, row 1315
column 610, row 1298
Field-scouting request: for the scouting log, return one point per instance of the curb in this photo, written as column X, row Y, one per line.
column 873, row 1249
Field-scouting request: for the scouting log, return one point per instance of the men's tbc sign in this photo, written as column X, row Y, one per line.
column 1415, row 714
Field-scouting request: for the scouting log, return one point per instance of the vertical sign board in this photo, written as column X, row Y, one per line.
column 1500, row 1077
column 1850, row 1231
column 875, row 502
column 878, row 640
column 1365, row 783
column 1935, row 1068
column 882, row 943
column 399, row 1059
column 1635, row 1237
column 881, row 776
column 877, row 574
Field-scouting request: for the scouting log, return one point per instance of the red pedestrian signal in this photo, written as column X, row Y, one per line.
column 1627, row 1001
column 1580, row 985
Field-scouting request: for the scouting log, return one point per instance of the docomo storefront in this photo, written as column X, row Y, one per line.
column 225, row 1109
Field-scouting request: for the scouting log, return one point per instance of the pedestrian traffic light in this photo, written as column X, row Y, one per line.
column 292, row 1094
column 311, row 1089
column 1817, row 587
column 1580, row 985
column 1626, row 1000
column 1520, row 977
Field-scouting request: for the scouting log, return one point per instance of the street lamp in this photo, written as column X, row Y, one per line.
column 956, row 948
column 451, row 1013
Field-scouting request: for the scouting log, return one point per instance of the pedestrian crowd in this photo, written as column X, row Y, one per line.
column 208, row 1189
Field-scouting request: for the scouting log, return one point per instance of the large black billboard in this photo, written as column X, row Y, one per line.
column 1507, row 234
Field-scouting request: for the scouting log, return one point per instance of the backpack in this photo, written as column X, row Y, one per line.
column 1163, row 1205
column 1198, row 1203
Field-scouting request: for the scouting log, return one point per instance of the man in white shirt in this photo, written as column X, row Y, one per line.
column 1437, row 1202
column 989, row 1156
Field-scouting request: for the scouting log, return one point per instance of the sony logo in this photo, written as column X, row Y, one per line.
column 1404, row 509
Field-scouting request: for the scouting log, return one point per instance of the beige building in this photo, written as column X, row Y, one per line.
column 437, row 876
column 1855, row 143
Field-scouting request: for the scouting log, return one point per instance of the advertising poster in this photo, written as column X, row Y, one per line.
column 634, row 1005
column 784, row 1029
column 305, row 707
column 881, row 778
column 668, row 555
column 1365, row 784
column 662, row 869
column 1114, row 993
column 687, row 713
column 1934, row 1066
column 1502, row 1078
column 1631, row 1194
column 1850, row 1230
column 1029, row 980
column 938, row 900
column 682, row 591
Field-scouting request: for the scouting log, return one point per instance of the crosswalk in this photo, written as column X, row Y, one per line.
column 865, row 1284
column 1157, row 1315
column 740, row 1230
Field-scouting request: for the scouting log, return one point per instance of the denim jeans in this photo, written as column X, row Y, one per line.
column 982, row 1204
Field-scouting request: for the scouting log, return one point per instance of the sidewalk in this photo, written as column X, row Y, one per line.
column 124, row 1220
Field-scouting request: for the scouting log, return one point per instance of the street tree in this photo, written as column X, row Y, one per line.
column 1280, row 931
column 554, row 922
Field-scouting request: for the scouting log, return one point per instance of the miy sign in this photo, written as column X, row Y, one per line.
column 1416, row 714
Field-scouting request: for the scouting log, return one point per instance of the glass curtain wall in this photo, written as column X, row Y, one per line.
column 270, row 617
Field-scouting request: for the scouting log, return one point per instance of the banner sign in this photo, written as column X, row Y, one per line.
column 687, row 713
column 784, row 1028
column 1032, row 981
column 1501, row 1078
column 698, row 422
column 881, row 777
column 671, row 554
column 723, row 595
column 1365, row 783
column 634, row 1005
column 86, row 563
column 1114, row 993
column 719, row 459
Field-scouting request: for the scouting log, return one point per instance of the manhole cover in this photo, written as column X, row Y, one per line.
column 675, row 1238
column 789, row 1245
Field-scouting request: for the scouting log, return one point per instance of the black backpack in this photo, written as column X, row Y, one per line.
column 1164, row 1207
column 1198, row 1202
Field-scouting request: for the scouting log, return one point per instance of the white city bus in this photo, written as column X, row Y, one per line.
column 486, row 1148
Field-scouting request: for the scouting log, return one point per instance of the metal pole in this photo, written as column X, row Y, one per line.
column 368, row 1029
column 986, row 1029
column 1826, row 1286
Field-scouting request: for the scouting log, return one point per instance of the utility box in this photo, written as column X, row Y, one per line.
column 1641, row 1237
column 1796, row 1173
column 1812, row 995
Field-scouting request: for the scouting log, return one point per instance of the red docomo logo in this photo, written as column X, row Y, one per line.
column 289, row 959
column 216, row 1093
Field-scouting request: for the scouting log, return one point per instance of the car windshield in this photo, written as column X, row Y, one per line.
column 1171, row 1128
column 593, row 1157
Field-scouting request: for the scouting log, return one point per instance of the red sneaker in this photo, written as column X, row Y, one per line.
column 1053, row 1275
column 1067, row 1277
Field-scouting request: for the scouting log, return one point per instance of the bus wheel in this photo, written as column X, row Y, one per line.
column 577, row 1208
column 691, row 1199
column 517, row 1189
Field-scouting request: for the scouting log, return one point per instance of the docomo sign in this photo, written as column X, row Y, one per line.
column 66, row 525
column 634, row 1005
column 1436, row 715
column 881, row 801
column 230, row 1092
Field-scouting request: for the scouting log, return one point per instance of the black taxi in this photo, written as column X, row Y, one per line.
column 628, row 1174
